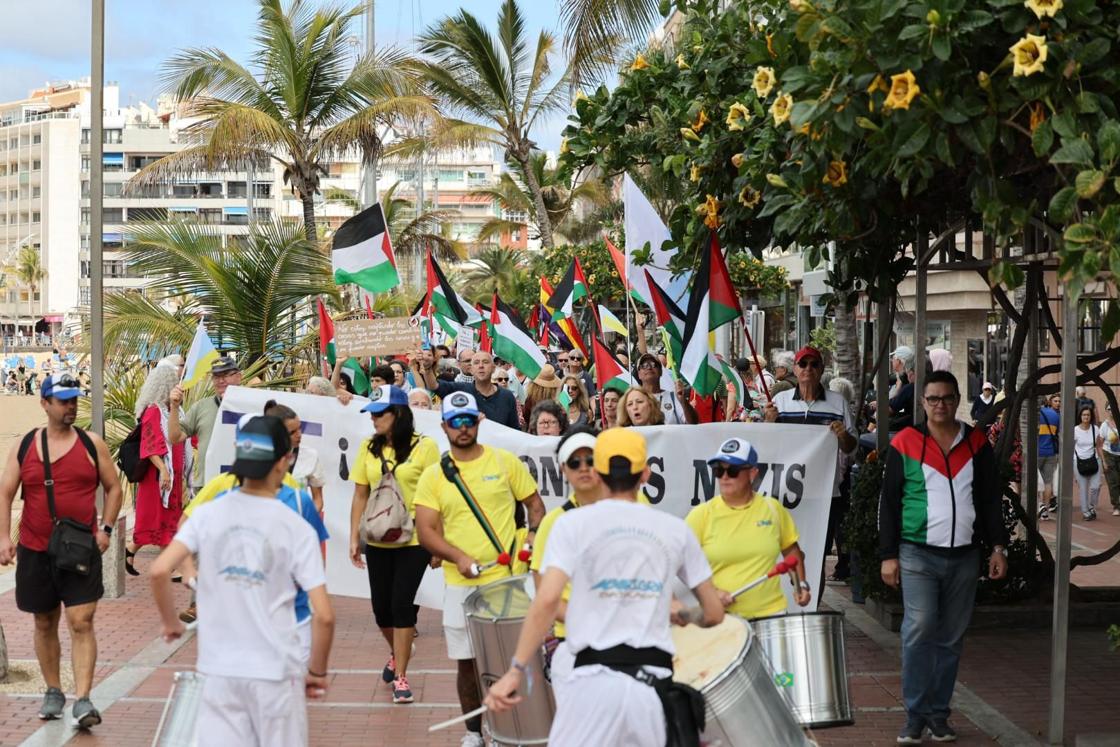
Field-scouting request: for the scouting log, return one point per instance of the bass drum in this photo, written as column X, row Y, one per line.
column 805, row 652
column 743, row 709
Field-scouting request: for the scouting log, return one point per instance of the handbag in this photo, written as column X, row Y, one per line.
column 71, row 546
column 385, row 518
column 1088, row 467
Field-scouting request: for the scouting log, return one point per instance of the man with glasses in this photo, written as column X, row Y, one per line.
column 464, row 535
column 811, row 403
column 941, row 497
column 79, row 462
column 575, row 368
column 466, row 373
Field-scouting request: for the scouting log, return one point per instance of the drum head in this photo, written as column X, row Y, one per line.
column 703, row 654
column 501, row 600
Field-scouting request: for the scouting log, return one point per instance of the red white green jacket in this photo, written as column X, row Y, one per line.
column 948, row 501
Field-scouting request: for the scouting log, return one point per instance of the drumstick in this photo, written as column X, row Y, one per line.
column 459, row 719
column 476, row 569
column 781, row 567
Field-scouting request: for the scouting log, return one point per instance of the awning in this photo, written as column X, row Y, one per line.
column 112, row 238
column 112, row 158
column 183, row 209
column 53, row 318
column 236, row 211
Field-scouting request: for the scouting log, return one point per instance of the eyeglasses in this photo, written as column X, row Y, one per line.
column 542, row 422
column 462, row 421
column 948, row 399
column 812, row 363
column 732, row 471
column 646, row 366
column 576, row 462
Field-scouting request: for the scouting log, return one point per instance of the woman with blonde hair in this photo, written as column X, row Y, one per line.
column 579, row 403
column 639, row 407
column 545, row 386
column 159, row 495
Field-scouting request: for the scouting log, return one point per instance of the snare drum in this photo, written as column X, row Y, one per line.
column 742, row 708
column 805, row 652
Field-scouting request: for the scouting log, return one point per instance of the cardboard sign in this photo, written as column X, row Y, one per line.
column 375, row 337
column 465, row 340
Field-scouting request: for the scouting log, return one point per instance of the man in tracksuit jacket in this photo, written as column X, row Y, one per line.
column 941, row 496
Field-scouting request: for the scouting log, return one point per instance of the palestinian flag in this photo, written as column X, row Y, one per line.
column 484, row 342
column 449, row 308
column 567, row 326
column 608, row 371
column 669, row 317
column 326, row 338
column 358, row 379
column 620, row 267
column 572, row 287
column 735, row 381
column 511, row 340
column 711, row 305
column 362, row 254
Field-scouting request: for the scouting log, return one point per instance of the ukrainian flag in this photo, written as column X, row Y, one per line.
column 200, row 357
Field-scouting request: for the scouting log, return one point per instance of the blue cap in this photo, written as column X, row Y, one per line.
column 61, row 386
column 385, row 396
column 736, row 451
column 459, row 403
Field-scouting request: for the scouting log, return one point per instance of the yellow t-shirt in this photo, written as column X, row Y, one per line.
column 367, row 471
column 742, row 544
column 495, row 479
column 220, row 484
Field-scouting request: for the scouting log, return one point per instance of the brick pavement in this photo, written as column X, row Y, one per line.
column 1008, row 671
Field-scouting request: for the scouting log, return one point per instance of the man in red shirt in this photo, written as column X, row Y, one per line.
column 79, row 461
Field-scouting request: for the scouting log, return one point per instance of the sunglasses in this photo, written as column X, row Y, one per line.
column 648, row 365
column 577, row 462
column 732, row 471
column 561, row 360
column 575, row 359
column 67, row 380
column 948, row 399
column 813, row 363
column 501, row 381
column 462, row 421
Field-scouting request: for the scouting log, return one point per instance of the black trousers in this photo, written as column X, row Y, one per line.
column 394, row 577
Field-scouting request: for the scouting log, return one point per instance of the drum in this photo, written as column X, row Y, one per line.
column 494, row 615
column 742, row 708
column 177, row 727
column 805, row 652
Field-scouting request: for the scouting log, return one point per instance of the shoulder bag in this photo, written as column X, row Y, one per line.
column 71, row 546
column 386, row 518
column 1089, row 467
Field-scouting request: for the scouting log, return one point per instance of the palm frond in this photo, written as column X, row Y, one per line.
column 596, row 26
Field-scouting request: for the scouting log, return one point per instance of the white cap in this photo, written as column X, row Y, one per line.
column 573, row 444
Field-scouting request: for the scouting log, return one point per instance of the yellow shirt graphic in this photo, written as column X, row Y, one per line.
column 742, row 544
column 496, row 479
column 227, row 481
column 367, row 471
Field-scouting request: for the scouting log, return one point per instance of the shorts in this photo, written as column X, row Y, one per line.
column 40, row 589
column 394, row 577
column 455, row 622
column 238, row 711
column 601, row 706
column 1048, row 467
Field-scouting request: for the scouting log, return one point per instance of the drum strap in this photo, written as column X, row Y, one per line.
column 626, row 656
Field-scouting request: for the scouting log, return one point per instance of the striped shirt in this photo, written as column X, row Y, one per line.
column 827, row 407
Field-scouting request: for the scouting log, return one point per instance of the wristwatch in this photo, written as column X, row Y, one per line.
column 804, row 586
column 1000, row 549
column 107, row 529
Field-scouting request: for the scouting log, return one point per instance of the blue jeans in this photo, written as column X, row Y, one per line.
column 938, row 593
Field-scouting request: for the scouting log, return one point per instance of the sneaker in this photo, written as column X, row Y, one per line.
column 1093, row 513
column 1116, row 512
column 940, row 731
column 910, row 734
column 389, row 673
column 189, row 615
column 1086, row 516
column 472, row 739
column 1043, row 513
column 85, row 715
column 402, row 693
column 53, row 704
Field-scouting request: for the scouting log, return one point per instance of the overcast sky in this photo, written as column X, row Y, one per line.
column 48, row 40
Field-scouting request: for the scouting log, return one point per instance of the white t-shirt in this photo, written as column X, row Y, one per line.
column 1085, row 441
column 253, row 552
column 1111, row 438
column 671, row 407
column 308, row 470
column 620, row 557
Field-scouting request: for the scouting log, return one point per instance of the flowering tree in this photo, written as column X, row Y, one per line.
column 869, row 122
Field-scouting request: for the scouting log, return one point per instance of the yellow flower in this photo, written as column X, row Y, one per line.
column 770, row 46
column 563, row 145
column 1043, row 8
column 681, row 63
column 836, row 175
column 701, row 120
column 710, row 210
column 749, row 197
column 737, row 160
column 694, row 173
column 878, row 84
column 781, row 108
column 763, row 81
column 689, row 134
column 804, row 129
column 904, row 89
column 800, row 6
column 1029, row 55
column 580, row 95
column 1038, row 115
column 639, row 63
column 737, row 117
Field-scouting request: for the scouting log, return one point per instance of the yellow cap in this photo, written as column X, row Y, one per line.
column 617, row 444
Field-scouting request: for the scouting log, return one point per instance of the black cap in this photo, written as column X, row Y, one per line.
column 223, row 365
column 260, row 442
column 742, row 364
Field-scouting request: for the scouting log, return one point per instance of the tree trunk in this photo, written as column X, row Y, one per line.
column 544, row 223
column 309, row 227
column 847, row 344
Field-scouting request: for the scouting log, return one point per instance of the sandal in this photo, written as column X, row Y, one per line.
column 128, row 566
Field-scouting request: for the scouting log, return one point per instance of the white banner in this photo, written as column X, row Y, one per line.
column 798, row 463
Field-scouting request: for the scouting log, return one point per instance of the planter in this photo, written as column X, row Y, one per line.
column 1096, row 608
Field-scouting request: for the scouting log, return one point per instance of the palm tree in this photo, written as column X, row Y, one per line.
column 500, row 82
column 411, row 234
column 254, row 291
column 597, row 29
column 494, row 270
column 302, row 104
column 28, row 271
column 561, row 198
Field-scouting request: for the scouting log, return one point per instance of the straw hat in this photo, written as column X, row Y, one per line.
column 547, row 378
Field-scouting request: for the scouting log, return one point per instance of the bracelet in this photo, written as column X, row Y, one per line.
column 524, row 669
column 316, row 674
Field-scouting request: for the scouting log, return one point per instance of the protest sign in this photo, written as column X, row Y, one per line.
column 363, row 338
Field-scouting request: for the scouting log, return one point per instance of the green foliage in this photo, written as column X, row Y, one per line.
column 753, row 277
column 1114, row 637
column 902, row 118
column 861, row 528
column 824, row 338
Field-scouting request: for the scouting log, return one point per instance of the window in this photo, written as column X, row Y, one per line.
column 147, row 214
column 36, row 192
column 36, row 139
column 85, row 136
column 36, row 217
column 85, row 268
column 113, row 137
column 477, row 178
column 262, row 190
column 451, row 175
column 85, row 216
column 85, row 163
column 262, row 214
column 83, row 295
column 112, row 189
column 36, row 165
column 112, row 215
column 236, row 190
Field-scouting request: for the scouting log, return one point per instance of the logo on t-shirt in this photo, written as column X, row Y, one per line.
column 246, row 557
column 628, row 588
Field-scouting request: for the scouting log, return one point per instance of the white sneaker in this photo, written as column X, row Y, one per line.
column 1116, row 512
column 472, row 739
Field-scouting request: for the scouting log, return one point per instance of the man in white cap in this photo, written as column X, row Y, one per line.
column 465, row 515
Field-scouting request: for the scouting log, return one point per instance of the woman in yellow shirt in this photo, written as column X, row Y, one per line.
column 394, row 570
column 744, row 533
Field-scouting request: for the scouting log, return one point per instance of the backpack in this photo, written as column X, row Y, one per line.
column 128, row 457
column 29, row 438
column 385, row 518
